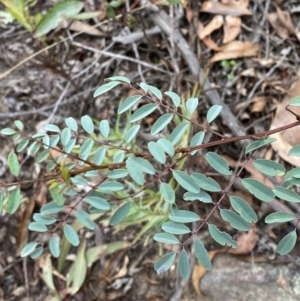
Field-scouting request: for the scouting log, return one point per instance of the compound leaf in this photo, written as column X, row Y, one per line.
column 175, row 98
column 295, row 151
column 71, row 123
column 167, row 146
column 37, row 227
column 111, row 186
column 201, row 196
column 119, row 78
column 54, row 246
column 157, row 152
column 178, row 132
column 13, row 201
column 85, row 219
column 197, row 140
column 51, row 128
column 104, row 128
column 206, row 183
column 28, row 249
column 131, row 133
column 175, row 228
column 191, row 105
column 105, row 88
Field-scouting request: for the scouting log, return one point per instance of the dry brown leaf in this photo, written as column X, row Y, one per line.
column 246, row 242
column 285, row 20
column 287, row 139
column 258, row 104
column 278, row 26
column 235, row 49
column 232, row 28
column 207, row 40
column 199, row 271
column 233, row 9
column 214, row 24
column 79, row 26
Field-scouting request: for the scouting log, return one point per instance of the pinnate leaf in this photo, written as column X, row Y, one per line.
column 218, row 163
column 184, row 265
column 166, row 238
column 261, row 191
column 120, row 214
column 185, row 181
column 213, row 112
column 279, row 217
column 202, row 255
column 287, row 244
column 71, row 235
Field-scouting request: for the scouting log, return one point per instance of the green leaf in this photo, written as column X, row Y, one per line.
column 279, row 217
column 218, row 163
column 166, row 238
column 85, row 219
column 86, row 148
column 8, row 131
column 243, row 209
column 295, row 102
column 167, row 146
column 294, row 173
column 65, row 136
column 33, row 148
column 201, row 196
column 54, row 246
column 59, row 12
column 120, row 214
column 178, row 132
column 71, row 235
column 28, row 249
column 184, row 216
column 69, row 147
column 119, row 157
column 143, row 112
column 131, row 133
column 234, row 220
column 197, row 140
column 167, row 192
column 258, row 143
column 143, row 164
column 261, row 191
column 37, row 227
column 43, row 156
column 118, row 173
column 111, row 186
column 164, row 263
column 161, row 123
column 135, row 171
column 155, row 91
column 99, row 156
column 71, row 123
column 185, row 181
column 175, row 98
column 175, row 228
column 202, row 255
column 104, row 128
column 269, row 167
column 213, row 112
column 287, row 244
column 144, row 86
column 206, row 183
column 105, row 88
column 51, row 128
column 87, row 124
column 13, row 164
column 157, row 152
column 220, row 237
column 22, row 145
column 191, row 105
column 97, row 200
column 184, row 265
column 51, row 208
column 57, row 196
column 19, row 124
column 13, row 201
column 286, row 194
column 43, row 220
column 295, row 151
column 119, row 78
column 53, row 142
column 128, row 103
column 37, row 253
